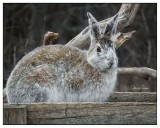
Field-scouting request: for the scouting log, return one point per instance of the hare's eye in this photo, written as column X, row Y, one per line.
column 98, row 49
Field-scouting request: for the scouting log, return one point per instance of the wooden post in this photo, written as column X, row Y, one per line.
column 14, row 114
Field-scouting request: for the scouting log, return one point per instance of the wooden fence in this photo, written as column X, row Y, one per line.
column 122, row 108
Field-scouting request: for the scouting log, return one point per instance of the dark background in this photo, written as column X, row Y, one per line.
column 25, row 24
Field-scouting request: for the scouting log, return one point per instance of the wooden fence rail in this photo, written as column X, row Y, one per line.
column 138, row 108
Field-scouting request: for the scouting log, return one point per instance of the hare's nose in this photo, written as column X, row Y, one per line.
column 111, row 63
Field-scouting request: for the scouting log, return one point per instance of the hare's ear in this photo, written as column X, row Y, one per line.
column 94, row 26
column 111, row 27
column 115, row 24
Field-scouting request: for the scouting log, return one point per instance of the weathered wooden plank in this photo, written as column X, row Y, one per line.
column 92, row 113
column 133, row 97
column 14, row 114
column 89, row 113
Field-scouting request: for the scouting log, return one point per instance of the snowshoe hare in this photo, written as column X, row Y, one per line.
column 56, row 73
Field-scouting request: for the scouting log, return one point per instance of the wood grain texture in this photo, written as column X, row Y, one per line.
column 133, row 97
column 123, row 108
column 14, row 114
column 93, row 113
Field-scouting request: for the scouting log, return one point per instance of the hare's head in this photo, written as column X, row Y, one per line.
column 101, row 54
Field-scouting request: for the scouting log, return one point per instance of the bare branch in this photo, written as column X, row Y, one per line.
column 120, row 38
column 143, row 72
column 127, row 14
column 49, row 37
